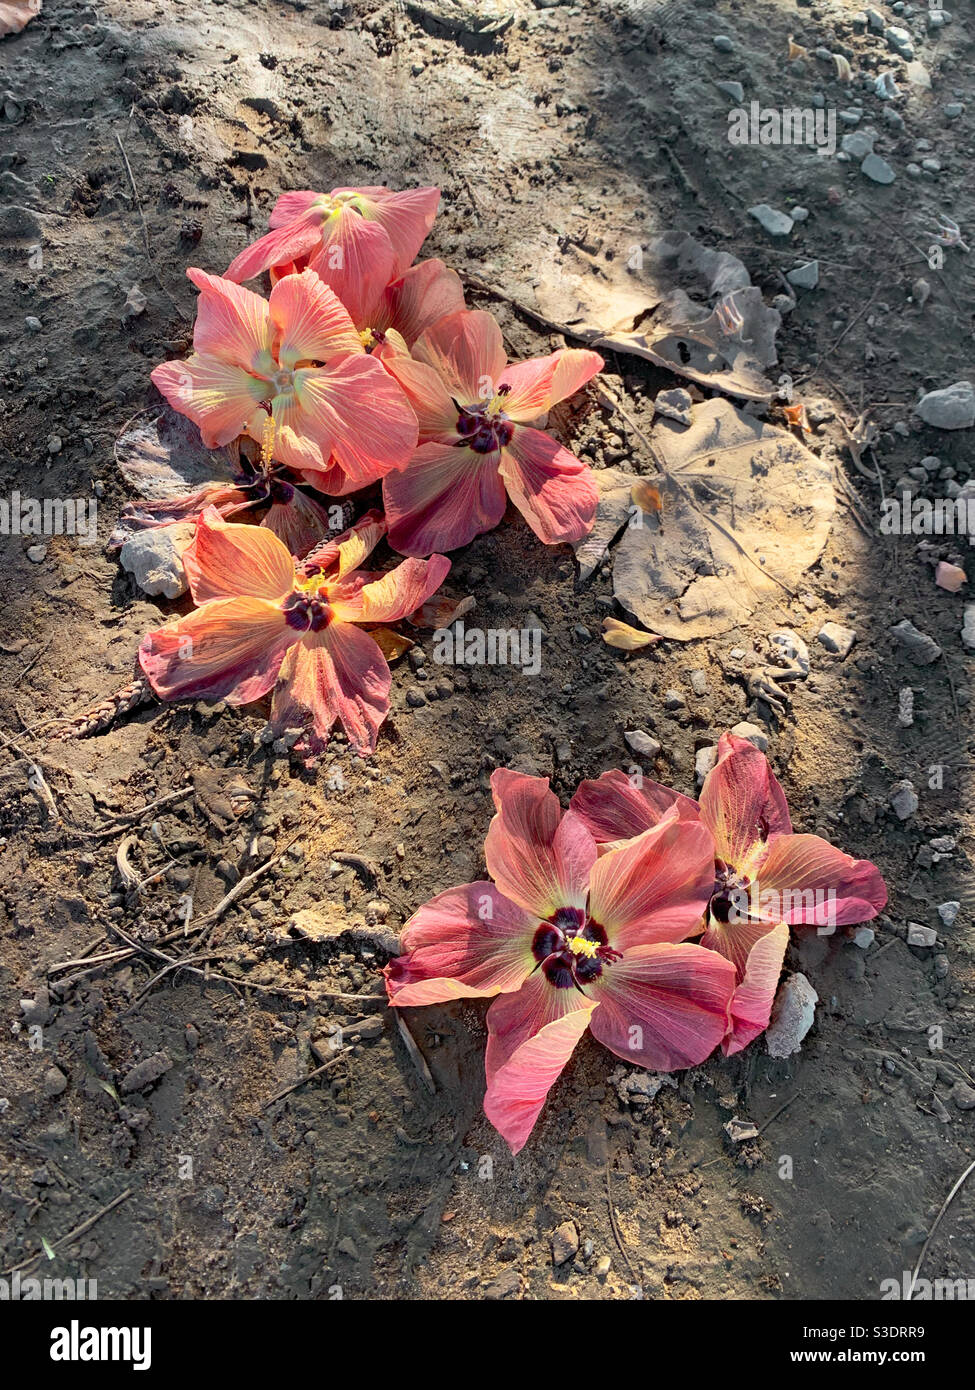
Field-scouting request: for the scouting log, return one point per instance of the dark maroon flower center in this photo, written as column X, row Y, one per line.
column 572, row 950
column 482, row 429
column 307, row 612
column 730, row 894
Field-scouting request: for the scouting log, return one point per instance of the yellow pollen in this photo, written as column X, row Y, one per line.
column 267, row 441
column 582, row 946
column 365, row 337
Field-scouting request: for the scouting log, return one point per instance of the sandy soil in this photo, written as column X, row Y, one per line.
column 590, row 126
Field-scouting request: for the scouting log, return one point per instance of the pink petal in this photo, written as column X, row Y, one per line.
column 357, row 407
column 398, row 593
column 226, row 559
column 230, row 649
column 553, row 490
column 299, row 523
column 337, row 553
column 531, row 1036
column 222, row 399
column 663, row 1007
column 470, row 941
column 406, row 218
column 435, row 411
column 445, row 497
column 312, row 322
column 614, row 809
column 424, row 294
column 654, row 888
column 751, row 1004
column 537, row 385
column 814, row 882
column 290, row 206
column 290, row 242
column 734, row 939
column 538, row 857
column 356, row 259
column 741, row 801
column 467, row 352
column 231, row 323
column 335, row 674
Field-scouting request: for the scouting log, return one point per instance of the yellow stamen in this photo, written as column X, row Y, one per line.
column 267, row 441
column 582, row 946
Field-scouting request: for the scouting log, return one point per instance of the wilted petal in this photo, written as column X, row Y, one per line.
column 290, row 206
column 809, row 880
column 445, row 497
column 232, row 323
column 231, row 650
column 397, row 593
column 467, row 352
column 337, row 673
column 535, row 386
column 742, row 802
column 538, row 856
column 227, row 559
column 656, row 887
column 299, row 522
column 429, row 398
column 614, row 809
column 359, row 408
column 312, row 322
column 751, row 1004
column 470, row 941
column 553, row 490
column 663, row 1007
column 531, row 1036
column 290, row 242
column 424, row 294
column 347, row 551
column 220, row 398
column 356, row 259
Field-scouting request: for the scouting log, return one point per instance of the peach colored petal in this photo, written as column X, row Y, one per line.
column 230, row 649
column 553, row 490
column 222, row 399
column 232, row 324
column 467, row 352
column 535, row 386
column 445, row 497
column 311, row 321
column 337, row 674
column 227, row 559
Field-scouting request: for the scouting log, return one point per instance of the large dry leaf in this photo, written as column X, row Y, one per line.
column 747, row 509
column 725, row 343
column 13, row 17
column 163, row 457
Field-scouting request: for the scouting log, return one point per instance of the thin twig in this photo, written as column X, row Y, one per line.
column 615, row 1228
column 310, row 1077
column 937, row 1221
column 145, row 225
column 73, row 1235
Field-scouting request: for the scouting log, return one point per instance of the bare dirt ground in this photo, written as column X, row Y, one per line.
column 585, row 127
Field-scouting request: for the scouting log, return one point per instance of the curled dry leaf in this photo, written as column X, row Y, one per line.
column 392, row 644
column 440, row 611
column 626, row 638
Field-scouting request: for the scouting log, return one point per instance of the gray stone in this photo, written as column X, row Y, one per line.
column 704, row 761
column 918, row 935
column 154, row 558
column 858, row 143
column 863, row 937
column 968, row 626
column 804, row 277
column 144, row 1073
column 876, row 21
column 36, row 553
column 954, row 109
column 800, row 214
column 698, row 682
column 734, row 90
column 877, row 169
column 774, row 222
column 948, row 912
column 32, row 324
column 723, row 44
column 565, row 1242
column 901, row 41
column 903, row 799
column 55, row 1082
column 641, row 743
column 675, row 405
column 963, row 1096
column 836, row 638
column 920, row 648
column 793, row 1014
column 951, row 408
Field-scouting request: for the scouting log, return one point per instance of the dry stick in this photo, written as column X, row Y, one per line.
column 937, row 1221
column 310, row 1077
column 415, row 1055
column 238, row 890
column 145, row 226
column 829, row 351
column 73, row 1235
column 776, row 1113
column 615, row 1228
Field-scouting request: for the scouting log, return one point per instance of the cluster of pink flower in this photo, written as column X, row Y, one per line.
column 589, row 921
column 359, row 367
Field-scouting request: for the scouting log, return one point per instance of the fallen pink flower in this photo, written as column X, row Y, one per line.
column 765, row 875
column 475, row 445
column 356, row 239
column 571, row 940
column 262, row 624
column 340, row 420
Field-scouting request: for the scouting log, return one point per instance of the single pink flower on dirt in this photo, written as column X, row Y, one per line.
column 476, row 448
column 765, row 875
column 571, row 940
column 264, row 624
column 339, row 418
column 356, row 239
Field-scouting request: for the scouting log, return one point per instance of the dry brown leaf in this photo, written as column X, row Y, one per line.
column 392, row 644
column 626, row 638
column 440, row 611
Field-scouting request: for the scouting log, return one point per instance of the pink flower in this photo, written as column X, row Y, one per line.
column 340, row 420
column 407, row 307
column 262, row 625
column 571, row 940
column 765, row 876
column 475, row 444
column 356, row 239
